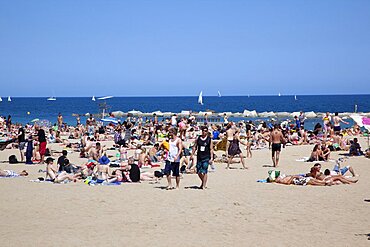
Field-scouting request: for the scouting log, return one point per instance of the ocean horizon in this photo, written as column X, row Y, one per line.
column 25, row 109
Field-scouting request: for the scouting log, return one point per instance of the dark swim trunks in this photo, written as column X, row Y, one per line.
column 337, row 128
column 276, row 147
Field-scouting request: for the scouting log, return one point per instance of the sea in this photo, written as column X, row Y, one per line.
column 25, row 109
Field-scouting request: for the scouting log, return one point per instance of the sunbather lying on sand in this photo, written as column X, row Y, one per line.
column 10, row 173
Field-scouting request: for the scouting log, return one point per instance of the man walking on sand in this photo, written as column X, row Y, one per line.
column 173, row 159
column 276, row 139
column 204, row 147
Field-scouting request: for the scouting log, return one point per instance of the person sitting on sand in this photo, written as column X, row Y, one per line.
column 153, row 153
column 355, row 148
column 103, row 172
column 315, row 154
column 96, row 152
column 325, row 152
column 132, row 170
column 56, row 177
column 12, row 174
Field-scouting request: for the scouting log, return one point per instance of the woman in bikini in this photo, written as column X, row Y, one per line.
column 234, row 149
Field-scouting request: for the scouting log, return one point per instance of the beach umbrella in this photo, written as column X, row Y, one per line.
column 361, row 121
column 35, row 120
column 109, row 120
column 118, row 113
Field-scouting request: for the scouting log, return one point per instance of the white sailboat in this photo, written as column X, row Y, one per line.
column 9, row 99
column 93, row 98
column 219, row 94
column 105, row 97
column 200, row 98
column 52, row 98
column 295, row 97
column 1, row 99
column 279, row 94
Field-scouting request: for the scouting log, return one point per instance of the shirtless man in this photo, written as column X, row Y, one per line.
column 230, row 130
column 337, row 120
column 276, row 139
column 90, row 124
column 97, row 152
column 60, row 121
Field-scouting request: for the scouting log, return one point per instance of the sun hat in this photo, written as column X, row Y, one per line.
column 103, row 160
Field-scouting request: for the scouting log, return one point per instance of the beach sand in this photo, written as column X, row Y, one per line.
column 234, row 211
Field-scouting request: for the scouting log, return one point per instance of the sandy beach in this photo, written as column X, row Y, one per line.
column 235, row 210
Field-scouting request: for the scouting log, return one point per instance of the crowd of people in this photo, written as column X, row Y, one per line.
column 178, row 144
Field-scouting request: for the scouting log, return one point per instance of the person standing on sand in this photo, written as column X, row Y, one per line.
column 90, row 125
column 326, row 122
column 60, row 121
column 42, row 140
column 337, row 120
column 204, row 147
column 302, row 118
column 230, row 131
column 276, row 139
column 173, row 159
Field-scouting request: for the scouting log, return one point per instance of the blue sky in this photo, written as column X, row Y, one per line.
column 155, row 48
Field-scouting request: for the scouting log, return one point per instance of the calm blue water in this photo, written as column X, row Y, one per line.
column 43, row 109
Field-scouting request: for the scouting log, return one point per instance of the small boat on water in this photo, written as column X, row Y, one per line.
column 1, row 99
column 93, row 98
column 295, row 97
column 200, row 98
column 52, row 99
column 9, row 99
column 219, row 94
column 105, row 97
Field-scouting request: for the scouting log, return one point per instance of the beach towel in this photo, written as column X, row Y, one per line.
column 156, row 164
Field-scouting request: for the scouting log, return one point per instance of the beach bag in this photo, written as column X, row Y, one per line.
column 273, row 174
column 13, row 159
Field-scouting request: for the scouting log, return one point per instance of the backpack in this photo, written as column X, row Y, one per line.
column 13, row 159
